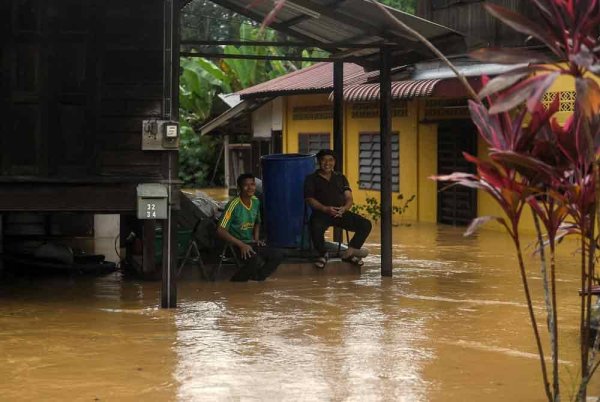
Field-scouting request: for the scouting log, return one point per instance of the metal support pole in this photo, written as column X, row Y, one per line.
column 170, row 112
column 226, row 161
column 385, row 132
column 338, row 114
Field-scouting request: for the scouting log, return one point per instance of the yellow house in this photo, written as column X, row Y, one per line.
column 431, row 128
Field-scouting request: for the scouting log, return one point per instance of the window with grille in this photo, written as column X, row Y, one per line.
column 311, row 143
column 370, row 162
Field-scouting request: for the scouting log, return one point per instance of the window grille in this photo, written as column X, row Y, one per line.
column 311, row 143
column 370, row 162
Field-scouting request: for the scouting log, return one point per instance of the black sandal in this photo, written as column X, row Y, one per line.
column 321, row 262
column 354, row 260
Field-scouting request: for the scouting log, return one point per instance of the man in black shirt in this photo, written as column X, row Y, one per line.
column 330, row 197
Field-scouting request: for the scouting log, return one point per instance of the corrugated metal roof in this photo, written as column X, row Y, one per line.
column 316, row 78
column 243, row 107
column 352, row 21
column 400, row 90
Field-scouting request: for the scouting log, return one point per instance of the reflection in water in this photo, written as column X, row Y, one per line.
column 451, row 325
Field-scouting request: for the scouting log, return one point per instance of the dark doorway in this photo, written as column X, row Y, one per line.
column 456, row 205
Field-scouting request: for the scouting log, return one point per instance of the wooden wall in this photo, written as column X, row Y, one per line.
column 77, row 77
column 469, row 17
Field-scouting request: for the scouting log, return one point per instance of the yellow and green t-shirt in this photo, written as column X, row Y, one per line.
column 239, row 219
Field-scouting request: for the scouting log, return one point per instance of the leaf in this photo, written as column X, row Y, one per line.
column 480, row 221
column 488, row 126
column 500, row 83
column 530, row 90
column 540, row 89
column 588, row 96
column 529, row 167
column 509, row 56
column 464, row 179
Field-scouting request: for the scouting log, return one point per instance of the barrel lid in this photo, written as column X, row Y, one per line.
column 287, row 156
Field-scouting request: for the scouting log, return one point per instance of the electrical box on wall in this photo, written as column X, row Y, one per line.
column 152, row 201
column 160, row 135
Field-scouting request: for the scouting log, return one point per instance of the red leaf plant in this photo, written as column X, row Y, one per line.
column 538, row 163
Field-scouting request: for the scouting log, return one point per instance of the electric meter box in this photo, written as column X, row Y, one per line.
column 152, row 201
column 160, row 135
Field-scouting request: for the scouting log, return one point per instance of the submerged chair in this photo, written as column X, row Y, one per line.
column 192, row 253
column 225, row 259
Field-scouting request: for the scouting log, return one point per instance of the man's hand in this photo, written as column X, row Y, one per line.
column 340, row 212
column 246, row 251
column 331, row 211
column 261, row 243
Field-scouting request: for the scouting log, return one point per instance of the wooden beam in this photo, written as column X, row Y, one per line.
column 84, row 198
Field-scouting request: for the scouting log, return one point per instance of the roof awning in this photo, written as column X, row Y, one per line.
column 409, row 89
column 351, row 22
column 223, row 119
column 400, row 90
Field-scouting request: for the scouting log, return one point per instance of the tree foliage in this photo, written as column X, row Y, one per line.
column 201, row 80
column 408, row 6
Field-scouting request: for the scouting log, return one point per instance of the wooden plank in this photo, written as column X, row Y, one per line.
column 138, row 90
column 133, row 108
column 45, row 197
column 130, row 158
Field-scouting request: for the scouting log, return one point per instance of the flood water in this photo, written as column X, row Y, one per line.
column 451, row 325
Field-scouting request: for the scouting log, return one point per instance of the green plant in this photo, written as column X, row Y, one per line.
column 372, row 208
column 201, row 81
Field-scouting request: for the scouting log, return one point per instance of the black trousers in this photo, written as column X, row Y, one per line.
column 319, row 222
column 258, row 267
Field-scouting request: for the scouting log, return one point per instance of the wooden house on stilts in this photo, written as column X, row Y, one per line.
column 78, row 79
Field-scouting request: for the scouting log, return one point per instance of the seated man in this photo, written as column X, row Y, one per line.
column 330, row 196
column 240, row 225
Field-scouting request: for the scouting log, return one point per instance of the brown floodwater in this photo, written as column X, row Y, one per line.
column 451, row 325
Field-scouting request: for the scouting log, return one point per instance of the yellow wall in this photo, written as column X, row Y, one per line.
column 418, row 152
column 293, row 127
column 409, row 147
column 427, row 198
column 406, row 128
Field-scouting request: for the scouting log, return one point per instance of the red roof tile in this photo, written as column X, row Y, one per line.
column 316, row 78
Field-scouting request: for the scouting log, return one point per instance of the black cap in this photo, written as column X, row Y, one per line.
column 324, row 152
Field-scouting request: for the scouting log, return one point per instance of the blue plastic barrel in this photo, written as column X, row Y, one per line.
column 283, row 192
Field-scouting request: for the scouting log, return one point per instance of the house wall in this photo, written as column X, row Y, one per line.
column 77, row 78
column 418, row 147
column 293, row 126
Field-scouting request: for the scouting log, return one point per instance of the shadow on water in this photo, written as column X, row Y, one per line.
column 451, row 325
